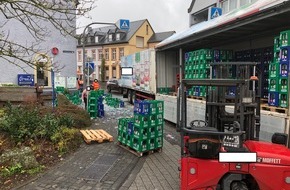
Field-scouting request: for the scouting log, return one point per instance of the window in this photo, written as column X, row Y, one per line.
column 88, row 39
column 96, row 39
column 118, row 36
column 114, row 54
column 100, row 54
column 94, row 56
column 139, row 42
column 79, row 56
column 110, row 37
column 233, row 5
column 243, row 2
column 225, row 6
column 147, row 30
column 121, row 53
column 107, row 54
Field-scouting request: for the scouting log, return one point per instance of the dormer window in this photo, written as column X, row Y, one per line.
column 118, row 36
column 110, row 37
column 97, row 39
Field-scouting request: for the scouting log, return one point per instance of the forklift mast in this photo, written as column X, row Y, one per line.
column 232, row 104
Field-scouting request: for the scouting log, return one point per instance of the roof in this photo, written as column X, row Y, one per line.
column 258, row 18
column 134, row 26
column 158, row 37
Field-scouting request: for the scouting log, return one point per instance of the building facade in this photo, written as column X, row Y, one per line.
column 199, row 9
column 42, row 58
column 112, row 43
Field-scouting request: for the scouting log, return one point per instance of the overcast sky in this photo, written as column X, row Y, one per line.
column 163, row 15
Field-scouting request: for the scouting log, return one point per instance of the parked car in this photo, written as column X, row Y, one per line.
column 113, row 84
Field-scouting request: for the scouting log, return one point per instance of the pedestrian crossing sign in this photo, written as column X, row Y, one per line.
column 123, row 24
column 214, row 12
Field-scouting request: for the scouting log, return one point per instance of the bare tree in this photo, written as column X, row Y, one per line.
column 38, row 18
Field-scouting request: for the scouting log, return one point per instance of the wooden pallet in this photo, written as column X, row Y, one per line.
column 197, row 97
column 263, row 101
column 266, row 107
column 136, row 153
column 96, row 135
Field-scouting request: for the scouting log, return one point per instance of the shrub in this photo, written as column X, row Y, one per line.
column 66, row 139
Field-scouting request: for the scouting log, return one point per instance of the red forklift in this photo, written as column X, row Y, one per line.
column 223, row 151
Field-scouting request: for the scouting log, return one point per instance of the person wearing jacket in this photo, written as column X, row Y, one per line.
column 96, row 84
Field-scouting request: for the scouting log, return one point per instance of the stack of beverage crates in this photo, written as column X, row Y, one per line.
column 197, row 66
column 279, row 68
column 95, row 104
column 144, row 131
column 262, row 56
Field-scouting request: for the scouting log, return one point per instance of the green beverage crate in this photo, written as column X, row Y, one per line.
column 230, row 55
column 124, row 138
column 93, row 114
column 190, row 75
column 277, row 44
column 202, row 92
column 285, row 38
column 151, row 132
column 205, row 54
column 151, row 144
column 276, row 58
column 190, row 67
column 274, row 70
column 186, row 67
column 120, row 135
column 158, row 130
column 283, row 85
column 60, row 89
column 273, row 84
column 129, row 140
column 140, row 133
column 223, row 55
column 140, row 145
column 158, row 142
column 201, row 64
column 159, row 119
column 152, row 118
column 160, row 106
column 283, row 100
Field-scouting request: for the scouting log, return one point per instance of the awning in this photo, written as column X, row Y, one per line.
column 258, row 18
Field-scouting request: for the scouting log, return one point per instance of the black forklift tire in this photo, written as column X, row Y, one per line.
column 129, row 96
column 239, row 185
column 133, row 97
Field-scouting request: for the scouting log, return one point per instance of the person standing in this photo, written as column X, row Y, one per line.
column 85, row 97
column 96, row 84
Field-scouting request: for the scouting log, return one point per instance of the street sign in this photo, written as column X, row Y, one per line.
column 123, row 24
column 25, row 79
column 91, row 67
column 214, row 12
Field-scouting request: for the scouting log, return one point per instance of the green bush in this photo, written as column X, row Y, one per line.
column 66, row 139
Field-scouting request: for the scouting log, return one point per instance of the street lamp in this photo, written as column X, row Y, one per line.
column 85, row 83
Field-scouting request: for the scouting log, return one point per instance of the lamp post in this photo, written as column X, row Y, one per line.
column 85, row 83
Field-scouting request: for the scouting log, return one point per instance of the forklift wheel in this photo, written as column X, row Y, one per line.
column 239, row 185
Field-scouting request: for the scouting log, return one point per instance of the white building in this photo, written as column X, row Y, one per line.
column 64, row 62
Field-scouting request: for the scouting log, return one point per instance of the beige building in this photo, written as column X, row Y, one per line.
column 112, row 43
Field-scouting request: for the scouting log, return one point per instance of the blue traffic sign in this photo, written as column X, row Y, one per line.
column 25, row 79
column 214, row 12
column 90, row 65
column 124, row 24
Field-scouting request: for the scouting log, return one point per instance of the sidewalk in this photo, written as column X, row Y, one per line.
column 107, row 166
